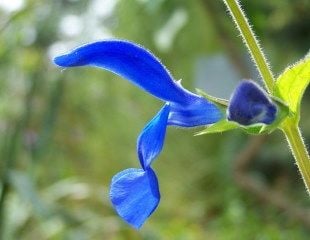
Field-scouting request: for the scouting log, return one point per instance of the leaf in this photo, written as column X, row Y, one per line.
column 291, row 85
column 221, row 126
column 222, row 103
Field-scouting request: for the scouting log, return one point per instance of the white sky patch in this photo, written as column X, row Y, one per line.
column 75, row 30
column 11, row 5
column 98, row 10
column 102, row 33
column 102, row 8
column 71, row 25
column 59, row 48
column 165, row 36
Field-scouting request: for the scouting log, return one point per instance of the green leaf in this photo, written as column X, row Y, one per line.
column 221, row 126
column 291, row 85
column 221, row 103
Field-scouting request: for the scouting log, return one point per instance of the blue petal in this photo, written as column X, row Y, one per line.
column 132, row 62
column 249, row 104
column 151, row 140
column 135, row 195
column 200, row 112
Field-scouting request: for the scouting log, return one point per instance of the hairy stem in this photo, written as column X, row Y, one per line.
column 299, row 151
column 251, row 42
column 289, row 128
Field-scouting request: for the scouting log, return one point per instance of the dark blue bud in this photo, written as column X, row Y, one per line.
column 250, row 104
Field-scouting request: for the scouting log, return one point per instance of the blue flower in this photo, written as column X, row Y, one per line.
column 249, row 104
column 135, row 193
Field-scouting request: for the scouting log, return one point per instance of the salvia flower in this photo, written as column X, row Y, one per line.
column 135, row 193
column 249, row 104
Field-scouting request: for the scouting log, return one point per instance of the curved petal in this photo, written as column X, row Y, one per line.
column 200, row 112
column 132, row 62
column 135, row 195
column 249, row 104
column 122, row 173
column 151, row 140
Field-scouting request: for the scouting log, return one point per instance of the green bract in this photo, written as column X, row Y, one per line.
column 288, row 91
column 258, row 128
column 291, row 85
column 221, row 126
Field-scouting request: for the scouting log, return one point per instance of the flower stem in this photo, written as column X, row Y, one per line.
column 289, row 128
column 299, row 151
column 251, row 42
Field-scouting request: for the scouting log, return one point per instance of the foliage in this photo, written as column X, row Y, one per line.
column 291, row 85
column 65, row 134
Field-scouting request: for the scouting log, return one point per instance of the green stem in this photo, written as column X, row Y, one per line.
column 251, row 42
column 299, row 151
column 289, row 128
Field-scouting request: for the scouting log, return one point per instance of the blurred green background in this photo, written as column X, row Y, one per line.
column 65, row 133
